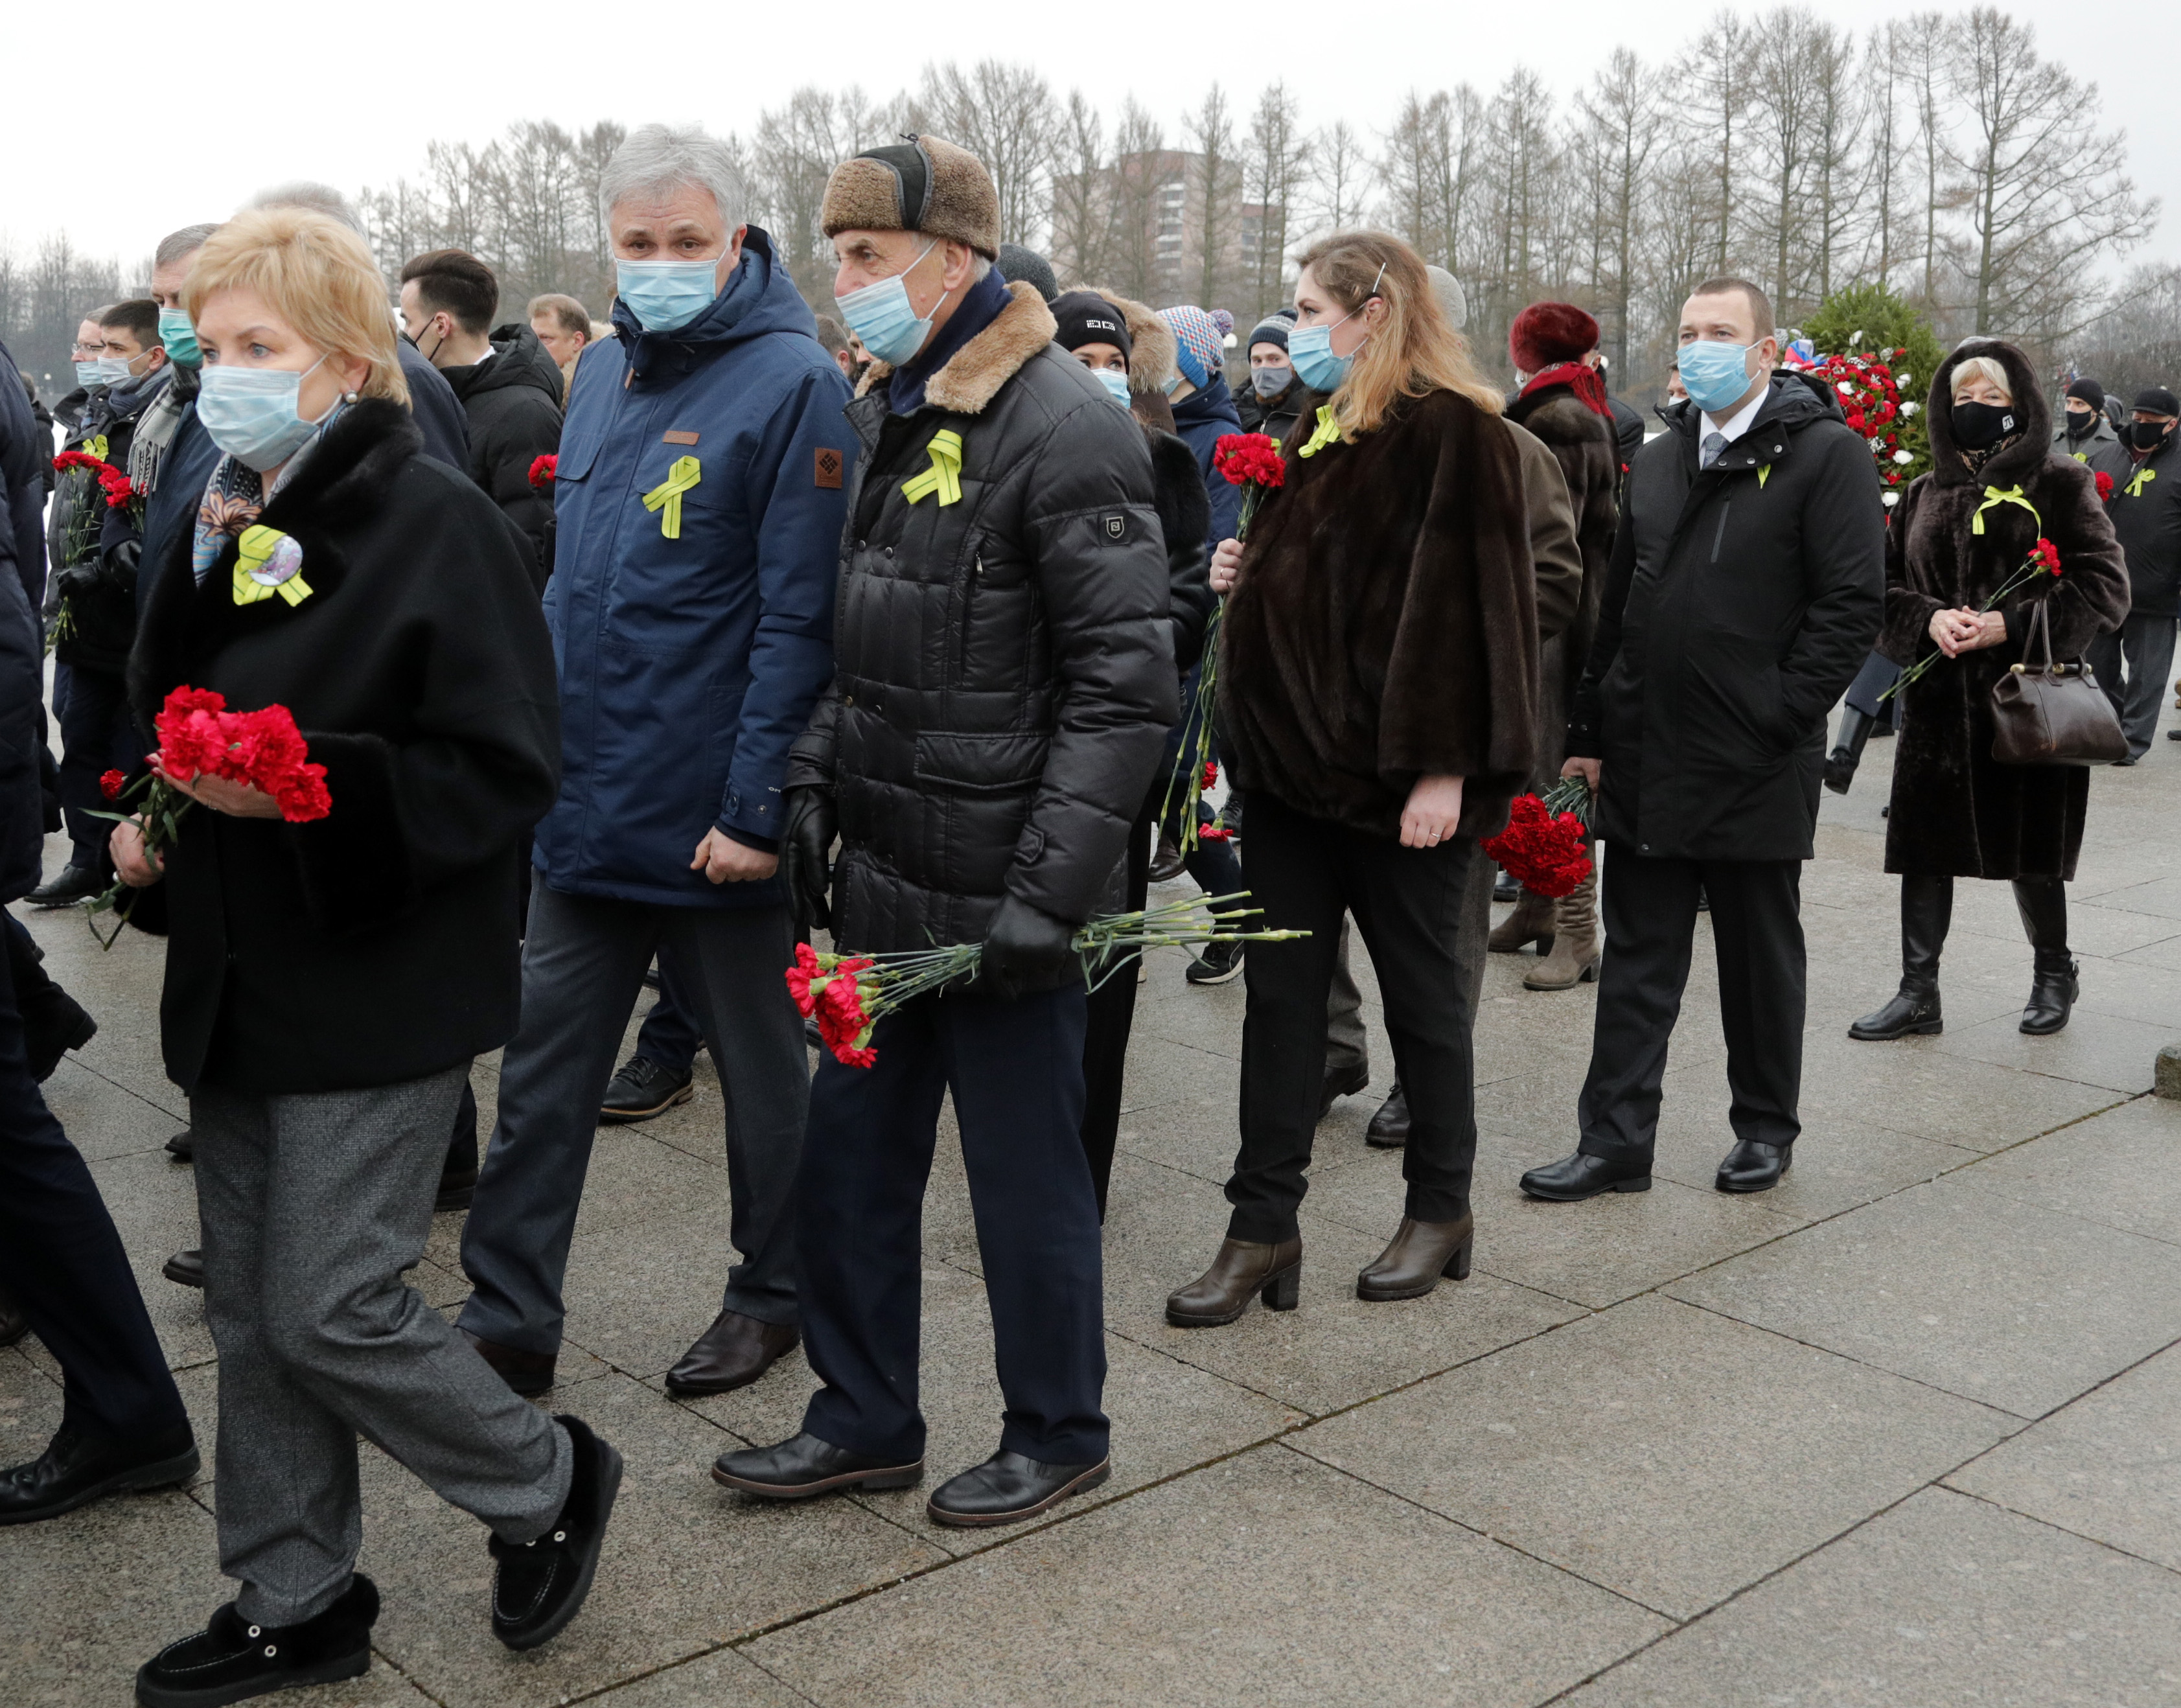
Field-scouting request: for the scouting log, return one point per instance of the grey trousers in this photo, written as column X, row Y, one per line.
column 583, row 967
column 1345, row 1041
column 312, row 1206
column 2147, row 644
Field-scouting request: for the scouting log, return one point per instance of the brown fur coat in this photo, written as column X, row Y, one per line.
column 1385, row 625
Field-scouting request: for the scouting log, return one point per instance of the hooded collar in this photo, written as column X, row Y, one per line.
column 2011, row 464
column 1792, row 401
column 759, row 298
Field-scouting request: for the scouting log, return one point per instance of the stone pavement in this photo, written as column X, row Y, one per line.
column 1905, row 1431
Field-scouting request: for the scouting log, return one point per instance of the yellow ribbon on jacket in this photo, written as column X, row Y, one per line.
column 1993, row 495
column 1327, row 431
column 667, row 495
column 263, row 568
column 96, row 445
column 2134, row 487
column 944, row 476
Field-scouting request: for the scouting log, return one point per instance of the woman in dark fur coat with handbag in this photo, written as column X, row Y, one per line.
column 1963, row 532
column 1378, row 703
column 328, row 982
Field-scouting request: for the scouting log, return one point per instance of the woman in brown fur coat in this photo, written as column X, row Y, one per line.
column 1957, row 811
column 1379, row 698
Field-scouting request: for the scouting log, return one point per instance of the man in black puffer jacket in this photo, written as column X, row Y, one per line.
column 1003, row 679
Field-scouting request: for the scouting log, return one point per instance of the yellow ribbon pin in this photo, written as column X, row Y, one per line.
column 1328, row 432
column 685, row 473
column 1993, row 495
column 269, row 562
column 2134, row 487
column 96, row 445
column 944, row 476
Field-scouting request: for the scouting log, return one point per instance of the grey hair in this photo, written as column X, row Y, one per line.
column 179, row 245
column 659, row 157
column 1984, row 368
column 320, row 198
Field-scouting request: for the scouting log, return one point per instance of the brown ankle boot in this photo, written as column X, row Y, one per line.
column 1242, row 1267
column 1574, row 956
column 1532, row 922
column 1420, row 1253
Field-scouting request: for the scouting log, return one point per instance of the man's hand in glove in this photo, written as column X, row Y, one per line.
column 806, row 851
column 1024, row 951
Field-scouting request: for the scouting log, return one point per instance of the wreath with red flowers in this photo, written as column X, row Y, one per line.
column 1867, row 389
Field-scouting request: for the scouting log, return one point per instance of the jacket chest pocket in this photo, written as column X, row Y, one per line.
column 993, row 625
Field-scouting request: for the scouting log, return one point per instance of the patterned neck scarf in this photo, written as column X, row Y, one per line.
column 236, row 496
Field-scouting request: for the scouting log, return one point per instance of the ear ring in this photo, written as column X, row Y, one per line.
column 350, row 397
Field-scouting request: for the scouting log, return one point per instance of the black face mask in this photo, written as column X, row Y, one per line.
column 2147, row 435
column 1977, row 425
column 2080, row 422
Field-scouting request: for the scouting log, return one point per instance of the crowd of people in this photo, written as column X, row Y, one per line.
column 642, row 652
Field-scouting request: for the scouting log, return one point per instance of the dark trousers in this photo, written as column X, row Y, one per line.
column 1416, row 911
column 2147, row 644
column 669, row 1036
column 1650, row 908
column 1015, row 1070
column 97, row 735
column 62, row 1259
column 1109, row 1016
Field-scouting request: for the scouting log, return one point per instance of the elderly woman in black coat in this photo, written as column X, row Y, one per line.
column 1994, row 489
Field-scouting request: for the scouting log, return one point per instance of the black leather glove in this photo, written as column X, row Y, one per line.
column 1024, row 951
column 806, row 853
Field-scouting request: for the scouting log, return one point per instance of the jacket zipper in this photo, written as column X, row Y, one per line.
column 1719, row 539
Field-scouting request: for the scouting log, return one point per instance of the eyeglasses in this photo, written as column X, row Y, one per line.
column 86, row 349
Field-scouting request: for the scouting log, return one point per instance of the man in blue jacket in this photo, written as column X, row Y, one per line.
column 698, row 515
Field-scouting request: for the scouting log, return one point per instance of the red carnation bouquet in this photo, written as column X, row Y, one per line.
column 2044, row 559
column 1546, row 846
column 198, row 737
column 849, row 994
column 543, row 470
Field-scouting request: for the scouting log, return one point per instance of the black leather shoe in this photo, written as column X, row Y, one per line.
column 76, row 1469
column 2052, row 993
column 1342, row 1085
column 70, row 885
column 183, row 1146
column 643, row 1089
column 540, row 1585
column 1389, row 1127
column 14, row 1325
column 1752, row 1167
column 1907, row 1013
column 1008, row 1488
column 802, row 1465
column 231, row 1660
column 733, row 1353
column 54, row 1024
column 1581, row 1176
column 528, row 1373
column 185, row 1268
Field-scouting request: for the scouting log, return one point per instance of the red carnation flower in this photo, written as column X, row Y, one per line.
column 2105, row 485
column 543, row 470
column 75, row 459
column 111, row 784
column 2045, row 556
column 1249, row 458
column 1214, row 832
column 116, row 484
column 1210, row 772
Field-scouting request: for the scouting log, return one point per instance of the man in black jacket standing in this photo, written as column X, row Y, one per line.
column 1003, row 681
column 2145, row 507
column 1747, row 584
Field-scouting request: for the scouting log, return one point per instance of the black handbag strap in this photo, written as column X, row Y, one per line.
column 2040, row 630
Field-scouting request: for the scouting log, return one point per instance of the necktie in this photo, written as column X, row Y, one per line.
column 1713, row 444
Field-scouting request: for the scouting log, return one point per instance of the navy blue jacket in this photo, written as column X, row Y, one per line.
column 1202, row 419
column 688, row 666
column 173, row 502
column 433, row 402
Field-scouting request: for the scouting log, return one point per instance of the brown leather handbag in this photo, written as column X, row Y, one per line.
column 2052, row 714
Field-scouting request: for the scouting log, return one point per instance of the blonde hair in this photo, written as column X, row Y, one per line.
column 1984, row 368
column 1415, row 351
column 317, row 275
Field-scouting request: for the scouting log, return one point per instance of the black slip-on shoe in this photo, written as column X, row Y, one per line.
column 540, row 1585
column 1752, row 1166
column 231, row 1660
column 528, row 1373
column 183, row 1146
column 643, row 1089
column 71, row 884
column 76, row 1469
column 1008, row 1488
column 1342, row 1083
column 1573, row 1179
column 185, row 1268
column 804, row 1466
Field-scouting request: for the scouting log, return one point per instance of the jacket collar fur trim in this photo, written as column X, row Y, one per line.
column 973, row 378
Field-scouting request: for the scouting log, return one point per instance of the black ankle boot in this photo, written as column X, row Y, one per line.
column 233, row 1660
column 2043, row 904
column 1927, row 907
column 1847, row 751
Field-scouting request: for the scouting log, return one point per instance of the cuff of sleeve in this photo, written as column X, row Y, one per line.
column 354, row 862
column 763, row 844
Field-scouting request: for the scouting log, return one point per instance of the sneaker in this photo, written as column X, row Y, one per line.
column 1218, row 964
column 643, row 1089
column 232, row 1660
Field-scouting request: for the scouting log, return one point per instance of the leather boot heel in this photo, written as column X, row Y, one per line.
column 1457, row 1266
column 1284, row 1291
column 1416, row 1259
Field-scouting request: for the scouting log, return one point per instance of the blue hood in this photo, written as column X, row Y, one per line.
column 759, row 297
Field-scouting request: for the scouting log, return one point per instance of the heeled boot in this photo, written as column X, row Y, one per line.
column 1574, row 953
column 1927, row 907
column 1847, row 751
column 2043, row 905
column 1243, row 1269
column 1532, row 922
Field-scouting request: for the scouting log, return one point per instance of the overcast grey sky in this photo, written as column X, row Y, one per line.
column 109, row 143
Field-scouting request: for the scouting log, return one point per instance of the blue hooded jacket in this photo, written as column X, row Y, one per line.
column 1203, row 419
column 688, row 666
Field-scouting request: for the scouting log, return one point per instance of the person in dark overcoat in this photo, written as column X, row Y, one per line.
column 1996, row 485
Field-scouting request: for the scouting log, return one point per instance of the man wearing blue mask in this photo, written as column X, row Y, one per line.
column 698, row 506
column 1747, row 584
column 1003, row 678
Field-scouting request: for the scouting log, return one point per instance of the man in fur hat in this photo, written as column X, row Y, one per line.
column 1003, row 679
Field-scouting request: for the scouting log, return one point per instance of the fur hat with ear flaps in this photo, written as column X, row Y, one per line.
column 2004, row 467
column 919, row 183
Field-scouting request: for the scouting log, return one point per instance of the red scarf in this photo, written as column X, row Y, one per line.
column 1580, row 378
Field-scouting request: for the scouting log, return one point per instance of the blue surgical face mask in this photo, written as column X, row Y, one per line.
column 1272, row 380
column 112, row 370
column 666, row 296
column 1116, row 383
column 881, row 316
column 91, row 374
column 251, row 414
column 1310, row 349
column 1714, row 374
column 180, row 337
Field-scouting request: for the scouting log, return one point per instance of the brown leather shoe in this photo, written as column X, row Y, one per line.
column 733, row 1353
column 1420, row 1253
column 1242, row 1267
column 529, row 1373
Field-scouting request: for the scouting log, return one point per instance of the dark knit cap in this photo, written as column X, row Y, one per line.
column 2089, row 391
column 1021, row 265
column 1086, row 318
column 1273, row 328
column 2156, row 399
column 1547, row 333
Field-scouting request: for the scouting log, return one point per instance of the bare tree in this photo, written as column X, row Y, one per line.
column 1341, row 175
column 1080, row 218
column 1142, row 167
column 1006, row 116
column 1838, row 107
column 1929, row 46
column 1216, row 171
column 1621, row 113
column 1783, row 115
column 1279, row 157
column 1725, row 72
column 1884, row 73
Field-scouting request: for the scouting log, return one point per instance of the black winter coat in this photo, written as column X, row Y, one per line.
column 513, row 403
column 23, row 453
column 1276, row 415
column 1183, row 515
column 1740, row 602
column 96, row 584
column 380, row 943
column 2145, row 508
column 1004, row 675
column 1955, row 809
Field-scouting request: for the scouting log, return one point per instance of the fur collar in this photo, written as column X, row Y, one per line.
column 1152, row 351
column 977, row 371
column 2017, row 462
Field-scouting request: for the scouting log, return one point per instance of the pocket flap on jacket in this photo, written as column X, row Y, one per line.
column 577, row 452
column 981, row 763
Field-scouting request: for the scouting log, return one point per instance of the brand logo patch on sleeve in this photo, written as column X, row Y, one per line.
column 829, row 468
column 1116, row 527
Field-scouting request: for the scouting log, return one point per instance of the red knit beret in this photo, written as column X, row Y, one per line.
column 1549, row 332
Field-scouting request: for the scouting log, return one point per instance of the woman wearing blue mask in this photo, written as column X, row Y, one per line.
column 1378, row 691
column 329, row 982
